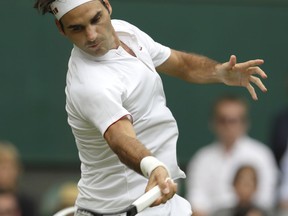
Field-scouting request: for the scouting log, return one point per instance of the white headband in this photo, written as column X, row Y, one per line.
column 61, row 7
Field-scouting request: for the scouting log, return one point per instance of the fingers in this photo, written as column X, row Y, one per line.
column 167, row 186
column 257, row 70
column 232, row 61
column 168, row 192
column 259, row 83
column 252, row 91
column 251, row 68
column 250, row 63
column 243, row 74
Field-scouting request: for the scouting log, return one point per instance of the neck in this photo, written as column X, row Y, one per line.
column 228, row 145
column 127, row 49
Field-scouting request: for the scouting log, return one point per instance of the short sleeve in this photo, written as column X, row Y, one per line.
column 158, row 52
column 101, row 105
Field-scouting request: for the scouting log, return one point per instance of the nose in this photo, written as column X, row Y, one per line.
column 91, row 33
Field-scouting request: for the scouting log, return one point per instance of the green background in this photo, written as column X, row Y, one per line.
column 34, row 62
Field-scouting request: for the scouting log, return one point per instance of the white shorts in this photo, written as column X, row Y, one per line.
column 177, row 206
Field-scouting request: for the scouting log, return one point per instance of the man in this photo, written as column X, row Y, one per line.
column 125, row 134
column 211, row 170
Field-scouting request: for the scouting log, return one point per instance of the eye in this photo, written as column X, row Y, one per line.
column 96, row 19
column 77, row 28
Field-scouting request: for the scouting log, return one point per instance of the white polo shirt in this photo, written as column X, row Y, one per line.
column 101, row 90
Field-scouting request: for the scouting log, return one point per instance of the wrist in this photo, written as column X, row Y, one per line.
column 219, row 74
column 149, row 164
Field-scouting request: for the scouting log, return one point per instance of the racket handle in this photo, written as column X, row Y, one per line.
column 147, row 199
column 66, row 211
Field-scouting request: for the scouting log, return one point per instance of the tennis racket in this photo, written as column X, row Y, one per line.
column 137, row 206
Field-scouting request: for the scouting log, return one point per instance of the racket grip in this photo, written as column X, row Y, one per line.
column 147, row 199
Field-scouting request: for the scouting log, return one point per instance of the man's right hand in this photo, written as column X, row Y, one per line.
column 168, row 187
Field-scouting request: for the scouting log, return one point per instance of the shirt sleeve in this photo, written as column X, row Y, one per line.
column 158, row 52
column 102, row 105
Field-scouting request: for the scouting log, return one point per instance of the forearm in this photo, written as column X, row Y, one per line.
column 129, row 151
column 121, row 138
column 198, row 69
column 191, row 67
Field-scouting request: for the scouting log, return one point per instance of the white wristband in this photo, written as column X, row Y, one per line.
column 149, row 163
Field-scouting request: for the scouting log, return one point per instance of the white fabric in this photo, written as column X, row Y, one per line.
column 61, row 7
column 101, row 90
column 211, row 170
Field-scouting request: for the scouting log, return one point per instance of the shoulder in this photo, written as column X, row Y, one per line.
column 205, row 153
column 249, row 143
column 255, row 150
column 209, row 149
column 123, row 26
column 120, row 23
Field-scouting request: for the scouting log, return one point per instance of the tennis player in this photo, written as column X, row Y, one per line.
column 125, row 134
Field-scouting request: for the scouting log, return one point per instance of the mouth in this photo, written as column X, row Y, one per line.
column 93, row 45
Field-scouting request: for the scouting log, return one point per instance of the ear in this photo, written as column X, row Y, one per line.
column 108, row 6
column 60, row 27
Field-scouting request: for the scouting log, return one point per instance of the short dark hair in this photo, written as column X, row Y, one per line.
column 246, row 167
column 229, row 98
column 43, row 6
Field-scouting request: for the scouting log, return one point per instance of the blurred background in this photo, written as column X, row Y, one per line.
column 34, row 62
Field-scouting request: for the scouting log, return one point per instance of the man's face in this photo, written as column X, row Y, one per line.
column 230, row 121
column 89, row 27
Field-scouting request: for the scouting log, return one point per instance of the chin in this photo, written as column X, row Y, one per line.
column 97, row 53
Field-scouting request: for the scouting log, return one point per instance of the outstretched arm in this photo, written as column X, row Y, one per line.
column 200, row 69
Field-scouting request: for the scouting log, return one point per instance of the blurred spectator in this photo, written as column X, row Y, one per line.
column 279, row 134
column 58, row 197
column 10, row 172
column 211, row 170
column 9, row 205
column 279, row 141
column 283, row 190
column 245, row 184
